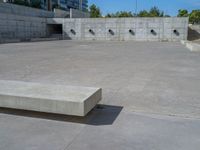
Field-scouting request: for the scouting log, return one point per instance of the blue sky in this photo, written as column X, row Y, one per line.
column 170, row 7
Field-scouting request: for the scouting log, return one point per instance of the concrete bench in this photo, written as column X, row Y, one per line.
column 60, row 99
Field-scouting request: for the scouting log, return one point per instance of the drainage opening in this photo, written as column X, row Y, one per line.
column 54, row 30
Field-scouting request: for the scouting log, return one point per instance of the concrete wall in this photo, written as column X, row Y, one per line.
column 24, row 28
column 163, row 29
column 24, row 11
column 13, row 27
column 74, row 13
column 58, row 13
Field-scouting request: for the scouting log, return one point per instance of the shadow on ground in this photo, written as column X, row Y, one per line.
column 100, row 115
column 193, row 34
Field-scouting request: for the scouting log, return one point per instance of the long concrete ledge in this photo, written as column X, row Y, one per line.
column 191, row 46
column 49, row 98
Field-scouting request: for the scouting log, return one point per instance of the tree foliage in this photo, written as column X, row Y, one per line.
column 21, row 2
column 31, row 3
column 195, row 17
column 143, row 13
column 182, row 13
column 95, row 11
column 153, row 12
column 35, row 3
column 120, row 14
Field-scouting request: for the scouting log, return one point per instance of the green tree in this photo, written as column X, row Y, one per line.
column 166, row 16
column 182, row 13
column 112, row 15
column 21, row 2
column 108, row 15
column 143, row 13
column 35, row 3
column 195, row 16
column 124, row 14
column 95, row 11
column 153, row 12
column 120, row 14
column 156, row 12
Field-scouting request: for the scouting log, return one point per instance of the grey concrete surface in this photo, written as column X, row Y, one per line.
column 61, row 99
column 130, row 131
column 150, row 95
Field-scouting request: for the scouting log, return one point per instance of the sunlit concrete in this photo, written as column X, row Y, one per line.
column 150, row 95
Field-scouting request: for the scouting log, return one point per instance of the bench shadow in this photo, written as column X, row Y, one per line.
column 100, row 115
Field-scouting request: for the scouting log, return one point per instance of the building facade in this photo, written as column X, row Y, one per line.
column 65, row 4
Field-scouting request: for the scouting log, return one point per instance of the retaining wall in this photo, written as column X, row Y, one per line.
column 15, row 27
column 58, row 13
column 138, row 29
column 74, row 13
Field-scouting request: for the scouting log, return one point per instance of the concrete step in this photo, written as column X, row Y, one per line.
column 44, row 39
column 60, row 99
column 193, row 46
column 10, row 40
column 58, row 36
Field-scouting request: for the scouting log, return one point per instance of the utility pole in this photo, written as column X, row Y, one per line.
column 136, row 6
column 80, row 4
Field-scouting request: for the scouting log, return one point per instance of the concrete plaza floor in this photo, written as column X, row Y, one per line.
column 151, row 96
